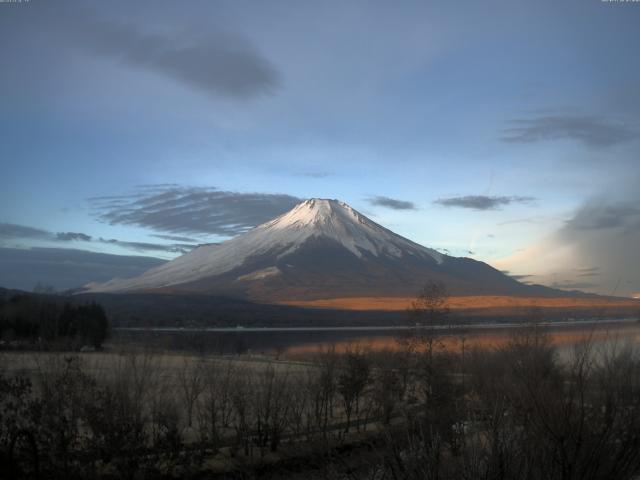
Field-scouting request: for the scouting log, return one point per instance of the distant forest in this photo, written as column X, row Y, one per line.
column 50, row 320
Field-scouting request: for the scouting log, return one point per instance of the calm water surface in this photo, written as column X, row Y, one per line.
column 294, row 341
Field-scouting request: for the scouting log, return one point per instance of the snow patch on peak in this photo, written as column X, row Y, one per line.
column 333, row 219
column 260, row 274
column 315, row 211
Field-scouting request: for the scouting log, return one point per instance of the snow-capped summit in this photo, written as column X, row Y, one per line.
column 335, row 220
column 320, row 248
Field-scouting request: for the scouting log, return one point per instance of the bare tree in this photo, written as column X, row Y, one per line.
column 353, row 377
column 215, row 408
column 387, row 390
column 191, row 381
column 270, row 407
column 119, row 415
column 300, row 404
column 429, row 310
column 241, row 390
column 326, row 388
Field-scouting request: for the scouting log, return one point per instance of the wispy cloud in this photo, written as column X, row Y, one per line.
column 192, row 210
column 482, row 202
column 149, row 247
column 588, row 272
column 388, row 202
column 537, row 219
column 175, row 238
column 589, row 130
column 317, row 174
column 574, row 285
column 10, row 231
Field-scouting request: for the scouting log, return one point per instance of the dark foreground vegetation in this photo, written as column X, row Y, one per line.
column 519, row 412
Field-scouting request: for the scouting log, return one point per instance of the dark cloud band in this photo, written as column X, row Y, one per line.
column 481, row 202
column 63, row 268
column 392, row 203
column 73, row 236
column 175, row 238
column 10, row 231
column 209, row 59
column 192, row 210
column 589, row 130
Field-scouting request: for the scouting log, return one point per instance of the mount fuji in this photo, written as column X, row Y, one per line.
column 320, row 249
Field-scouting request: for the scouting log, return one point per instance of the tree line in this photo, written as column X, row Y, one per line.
column 46, row 320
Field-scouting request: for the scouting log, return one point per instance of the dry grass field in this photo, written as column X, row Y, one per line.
column 354, row 414
column 468, row 303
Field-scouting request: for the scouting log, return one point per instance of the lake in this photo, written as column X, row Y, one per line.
column 307, row 340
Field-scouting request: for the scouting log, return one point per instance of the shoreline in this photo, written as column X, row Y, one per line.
column 385, row 328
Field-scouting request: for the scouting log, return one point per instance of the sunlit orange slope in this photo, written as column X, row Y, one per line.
column 469, row 303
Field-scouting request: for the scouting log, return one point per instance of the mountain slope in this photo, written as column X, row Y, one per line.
column 320, row 249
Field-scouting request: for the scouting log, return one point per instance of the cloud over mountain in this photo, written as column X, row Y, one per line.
column 192, row 210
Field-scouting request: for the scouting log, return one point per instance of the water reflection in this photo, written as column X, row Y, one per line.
column 563, row 338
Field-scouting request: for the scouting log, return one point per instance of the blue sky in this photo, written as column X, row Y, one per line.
column 511, row 128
